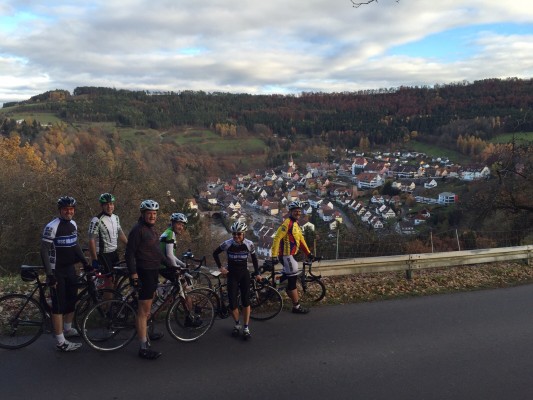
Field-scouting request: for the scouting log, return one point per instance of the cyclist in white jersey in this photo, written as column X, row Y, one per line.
column 104, row 234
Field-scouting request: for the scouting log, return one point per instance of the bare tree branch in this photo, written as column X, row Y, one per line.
column 357, row 4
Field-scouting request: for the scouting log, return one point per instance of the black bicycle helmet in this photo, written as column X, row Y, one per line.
column 178, row 217
column 149, row 205
column 106, row 198
column 66, row 201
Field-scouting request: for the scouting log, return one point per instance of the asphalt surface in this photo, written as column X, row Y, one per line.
column 473, row 345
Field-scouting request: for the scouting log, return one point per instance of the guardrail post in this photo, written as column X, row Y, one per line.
column 409, row 270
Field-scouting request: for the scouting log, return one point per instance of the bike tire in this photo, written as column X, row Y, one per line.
column 313, row 291
column 221, row 309
column 109, row 325
column 265, row 302
column 123, row 285
column 85, row 303
column 201, row 279
column 22, row 321
column 181, row 323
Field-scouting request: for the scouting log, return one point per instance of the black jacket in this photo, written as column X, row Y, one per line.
column 142, row 250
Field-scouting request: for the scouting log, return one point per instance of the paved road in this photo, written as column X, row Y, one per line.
column 463, row 346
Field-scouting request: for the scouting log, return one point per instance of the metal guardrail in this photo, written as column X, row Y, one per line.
column 411, row 262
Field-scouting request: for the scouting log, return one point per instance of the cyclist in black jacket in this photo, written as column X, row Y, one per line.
column 143, row 258
column 238, row 249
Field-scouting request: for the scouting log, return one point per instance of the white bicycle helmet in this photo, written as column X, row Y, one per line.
column 239, row 227
column 178, row 217
column 149, row 205
column 293, row 205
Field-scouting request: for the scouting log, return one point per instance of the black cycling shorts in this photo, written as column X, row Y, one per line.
column 64, row 295
column 148, row 280
column 238, row 279
column 107, row 261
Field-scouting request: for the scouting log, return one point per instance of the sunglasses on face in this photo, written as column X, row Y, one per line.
column 237, row 233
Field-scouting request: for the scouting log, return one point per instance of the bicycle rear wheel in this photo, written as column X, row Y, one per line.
column 190, row 318
column 265, row 302
column 201, row 279
column 22, row 321
column 221, row 310
column 311, row 291
column 109, row 325
column 123, row 285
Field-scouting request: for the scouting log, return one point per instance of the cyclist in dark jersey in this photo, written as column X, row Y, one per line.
column 143, row 258
column 60, row 250
column 237, row 250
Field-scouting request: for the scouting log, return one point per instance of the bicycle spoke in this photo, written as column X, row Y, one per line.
column 266, row 303
column 190, row 318
column 109, row 325
column 21, row 321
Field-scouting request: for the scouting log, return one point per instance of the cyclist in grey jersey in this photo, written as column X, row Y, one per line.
column 104, row 234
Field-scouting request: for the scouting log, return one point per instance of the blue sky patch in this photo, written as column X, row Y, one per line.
column 456, row 44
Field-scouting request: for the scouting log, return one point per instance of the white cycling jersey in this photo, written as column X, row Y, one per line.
column 105, row 229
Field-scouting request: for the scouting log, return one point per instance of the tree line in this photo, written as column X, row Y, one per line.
column 483, row 108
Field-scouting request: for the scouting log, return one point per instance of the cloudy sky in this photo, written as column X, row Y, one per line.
column 256, row 46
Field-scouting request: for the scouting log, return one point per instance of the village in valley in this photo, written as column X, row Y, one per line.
column 338, row 192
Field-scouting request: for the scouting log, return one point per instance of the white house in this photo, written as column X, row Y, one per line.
column 431, row 184
column 369, row 180
column 447, row 198
column 474, row 173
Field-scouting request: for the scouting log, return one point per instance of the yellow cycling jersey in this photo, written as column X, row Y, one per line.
column 288, row 240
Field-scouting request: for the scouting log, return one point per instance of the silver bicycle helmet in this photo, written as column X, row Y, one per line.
column 178, row 217
column 149, row 205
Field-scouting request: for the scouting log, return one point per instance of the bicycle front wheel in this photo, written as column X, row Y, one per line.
column 85, row 303
column 310, row 290
column 109, row 325
column 191, row 317
column 22, row 321
column 265, row 302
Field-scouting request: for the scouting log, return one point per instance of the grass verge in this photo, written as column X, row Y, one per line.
column 391, row 285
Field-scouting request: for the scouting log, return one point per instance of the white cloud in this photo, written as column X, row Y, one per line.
column 249, row 46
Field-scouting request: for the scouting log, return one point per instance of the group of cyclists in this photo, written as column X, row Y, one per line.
column 148, row 254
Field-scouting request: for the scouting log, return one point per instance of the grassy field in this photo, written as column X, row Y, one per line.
column 520, row 138
column 42, row 117
column 436, row 151
column 213, row 143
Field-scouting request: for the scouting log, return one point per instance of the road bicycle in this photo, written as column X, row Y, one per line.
column 87, row 299
column 110, row 325
column 265, row 301
column 25, row 317
column 197, row 272
column 310, row 287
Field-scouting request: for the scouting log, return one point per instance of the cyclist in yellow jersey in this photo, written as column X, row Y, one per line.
column 288, row 240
